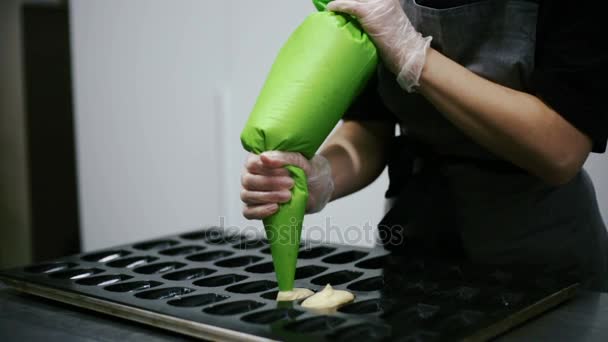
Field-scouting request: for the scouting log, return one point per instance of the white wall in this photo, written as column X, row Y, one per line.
column 597, row 166
column 146, row 78
column 15, row 247
column 163, row 89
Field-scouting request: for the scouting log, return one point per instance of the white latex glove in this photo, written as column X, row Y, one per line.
column 266, row 183
column 401, row 47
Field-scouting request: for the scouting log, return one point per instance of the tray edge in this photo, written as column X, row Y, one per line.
column 157, row 320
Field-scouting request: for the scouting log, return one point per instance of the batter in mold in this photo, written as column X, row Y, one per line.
column 328, row 299
column 295, row 294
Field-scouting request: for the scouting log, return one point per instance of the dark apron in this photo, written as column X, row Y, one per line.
column 456, row 199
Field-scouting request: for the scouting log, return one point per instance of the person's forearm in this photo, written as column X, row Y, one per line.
column 514, row 125
column 347, row 178
column 357, row 156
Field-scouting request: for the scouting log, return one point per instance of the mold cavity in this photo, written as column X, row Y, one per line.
column 189, row 274
column 372, row 263
column 197, row 300
column 364, row 307
column 414, row 267
column 455, row 272
column 500, row 277
column 315, row 324
column 181, row 250
column 421, row 336
column 252, row 287
column 369, row 284
column 272, row 295
column 421, row 311
column 221, row 280
column 442, row 273
column 159, row 268
column 267, row 250
column 510, row 298
column 365, row 332
column 233, row 308
column 463, row 319
column 346, row 257
column 202, row 234
column 250, row 244
column 133, row 286
column 266, row 267
column 466, row 293
column 156, row 244
column 216, row 239
column 309, row 271
column 421, row 315
column 271, row 316
column 419, row 287
column 209, row 256
column 336, row 278
column 165, row 293
column 239, row 261
column 315, row 252
column 74, row 274
column 131, row 262
column 103, row 280
column 105, row 256
column 50, row 268
column 215, row 235
column 546, row 283
column 224, row 238
column 462, row 293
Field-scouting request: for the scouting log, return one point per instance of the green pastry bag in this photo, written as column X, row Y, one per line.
column 318, row 72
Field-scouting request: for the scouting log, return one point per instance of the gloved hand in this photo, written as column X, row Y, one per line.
column 266, row 183
column 401, row 47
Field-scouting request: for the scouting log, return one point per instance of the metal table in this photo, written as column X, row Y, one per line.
column 29, row 318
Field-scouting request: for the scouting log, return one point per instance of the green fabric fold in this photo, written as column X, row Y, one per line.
column 284, row 230
column 318, row 72
column 321, row 4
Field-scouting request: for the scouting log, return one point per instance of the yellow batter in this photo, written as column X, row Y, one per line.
column 328, row 299
column 295, row 294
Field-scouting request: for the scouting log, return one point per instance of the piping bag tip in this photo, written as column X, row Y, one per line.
column 284, row 230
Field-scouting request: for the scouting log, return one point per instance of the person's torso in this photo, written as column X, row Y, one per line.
column 500, row 213
column 494, row 39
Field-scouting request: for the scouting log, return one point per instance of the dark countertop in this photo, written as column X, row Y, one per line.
column 583, row 318
column 29, row 318
column 25, row 317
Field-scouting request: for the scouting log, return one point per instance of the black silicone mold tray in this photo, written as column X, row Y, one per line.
column 212, row 285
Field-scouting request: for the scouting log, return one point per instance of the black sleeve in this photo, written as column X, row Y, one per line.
column 368, row 106
column 571, row 66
